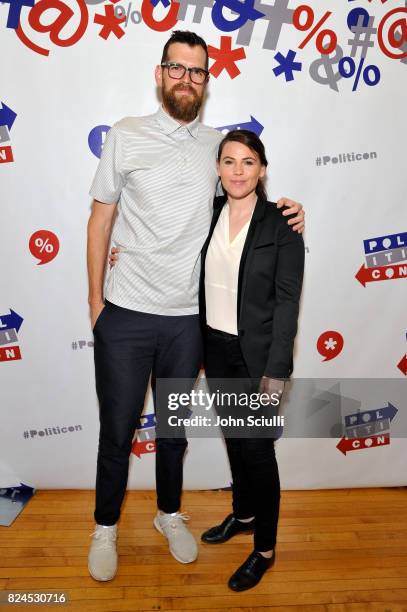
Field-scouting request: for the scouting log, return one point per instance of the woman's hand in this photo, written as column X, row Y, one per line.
column 294, row 208
column 113, row 257
column 271, row 387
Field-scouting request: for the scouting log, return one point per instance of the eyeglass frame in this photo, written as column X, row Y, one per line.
column 186, row 69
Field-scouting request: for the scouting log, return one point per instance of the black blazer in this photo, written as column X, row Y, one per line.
column 269, row 289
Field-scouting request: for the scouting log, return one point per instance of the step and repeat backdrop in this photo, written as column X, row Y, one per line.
column 325, row 86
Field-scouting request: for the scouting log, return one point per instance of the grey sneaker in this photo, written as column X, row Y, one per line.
column 183, row 546
column 102, row 559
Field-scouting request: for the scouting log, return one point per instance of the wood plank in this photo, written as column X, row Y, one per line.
column 338, row 551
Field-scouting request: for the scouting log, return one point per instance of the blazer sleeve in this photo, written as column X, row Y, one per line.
column 288, row 284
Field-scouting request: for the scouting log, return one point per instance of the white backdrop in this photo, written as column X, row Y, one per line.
column 48, row 402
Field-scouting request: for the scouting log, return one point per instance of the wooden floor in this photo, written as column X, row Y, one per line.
column 338, row 551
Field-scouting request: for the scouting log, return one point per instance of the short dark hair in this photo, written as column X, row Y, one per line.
column 186, row 38
column 251, row 140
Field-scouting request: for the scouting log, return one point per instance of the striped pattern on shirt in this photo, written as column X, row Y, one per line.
column 163, row 177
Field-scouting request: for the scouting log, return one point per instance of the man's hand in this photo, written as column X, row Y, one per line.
column 95, row 310
column 271, row 386
column 114, row 257
column 295, row 208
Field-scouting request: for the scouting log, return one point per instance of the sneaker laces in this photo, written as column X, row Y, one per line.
column 174, row 520
column 105, row 537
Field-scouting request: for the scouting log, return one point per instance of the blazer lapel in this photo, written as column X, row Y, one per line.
column 247, row 253
column 217, row 207
column 218, row 204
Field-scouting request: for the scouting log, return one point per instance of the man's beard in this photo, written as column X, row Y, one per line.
column 182, row 108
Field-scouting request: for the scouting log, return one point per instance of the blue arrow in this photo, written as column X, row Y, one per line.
column 11, row 321
column 390, row 411
column 7, row 116
column 387, row 412
column 253, row 126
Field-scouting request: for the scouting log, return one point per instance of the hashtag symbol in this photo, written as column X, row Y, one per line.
column 199, row 6
column 74, row 345
column 26, row 434
column 276, row 15
column 360, row 31
column 318, row 161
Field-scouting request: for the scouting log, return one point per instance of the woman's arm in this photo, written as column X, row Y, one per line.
column 288, row 284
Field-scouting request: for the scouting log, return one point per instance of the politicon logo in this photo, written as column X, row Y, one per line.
column 367, row 429
column 145, row 440
column 385, row 259
column 9, row 327
column 7, row 118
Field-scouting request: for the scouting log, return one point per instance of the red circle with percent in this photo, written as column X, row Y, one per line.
column 44, row 245
column 330, row 344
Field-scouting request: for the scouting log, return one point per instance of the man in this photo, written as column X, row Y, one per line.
column 153, row 193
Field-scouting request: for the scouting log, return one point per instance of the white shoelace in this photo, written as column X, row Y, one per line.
column 174, row 520
column 105, row 537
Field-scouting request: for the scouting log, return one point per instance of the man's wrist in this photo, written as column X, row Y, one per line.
column 95, row 301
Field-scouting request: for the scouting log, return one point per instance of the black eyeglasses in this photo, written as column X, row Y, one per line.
column 177, row 71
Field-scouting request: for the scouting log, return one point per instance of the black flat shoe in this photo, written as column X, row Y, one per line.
column 250, row 572
column 230, row 527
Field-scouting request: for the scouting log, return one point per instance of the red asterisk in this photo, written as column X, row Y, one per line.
column 225, row 58
column 110, row 22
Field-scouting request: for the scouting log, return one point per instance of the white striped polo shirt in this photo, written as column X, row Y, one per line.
column 163, row 176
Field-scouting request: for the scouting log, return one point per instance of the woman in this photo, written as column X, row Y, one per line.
column 252, row 268
column 250, row 286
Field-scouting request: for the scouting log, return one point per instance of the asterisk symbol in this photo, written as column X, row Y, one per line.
column 330, row 344
column 287, row 65
column 225, row 58
column 110, row 22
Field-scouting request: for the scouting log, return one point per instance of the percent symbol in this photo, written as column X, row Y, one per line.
column 135, row 15
column 328, row 35
column 347, row 68
column 44, row 245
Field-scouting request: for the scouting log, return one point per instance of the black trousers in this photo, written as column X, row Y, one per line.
column 129, row 346
column 256, row 483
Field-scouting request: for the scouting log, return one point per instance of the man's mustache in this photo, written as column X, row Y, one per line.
column 182, row 87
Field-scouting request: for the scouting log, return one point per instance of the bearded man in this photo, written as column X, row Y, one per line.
column 153, row 193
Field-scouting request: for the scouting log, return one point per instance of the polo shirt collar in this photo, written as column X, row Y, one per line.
column 169, row 125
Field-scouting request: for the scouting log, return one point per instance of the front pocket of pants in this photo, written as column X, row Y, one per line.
column 99, row 318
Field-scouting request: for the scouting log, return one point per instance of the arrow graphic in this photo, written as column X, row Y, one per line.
column 368, row 275
column 402, row 365
column 352, row 444
column 253, row 126
column 7, row 116
column 142, row 448
column 11, row 321
column 371, row 416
